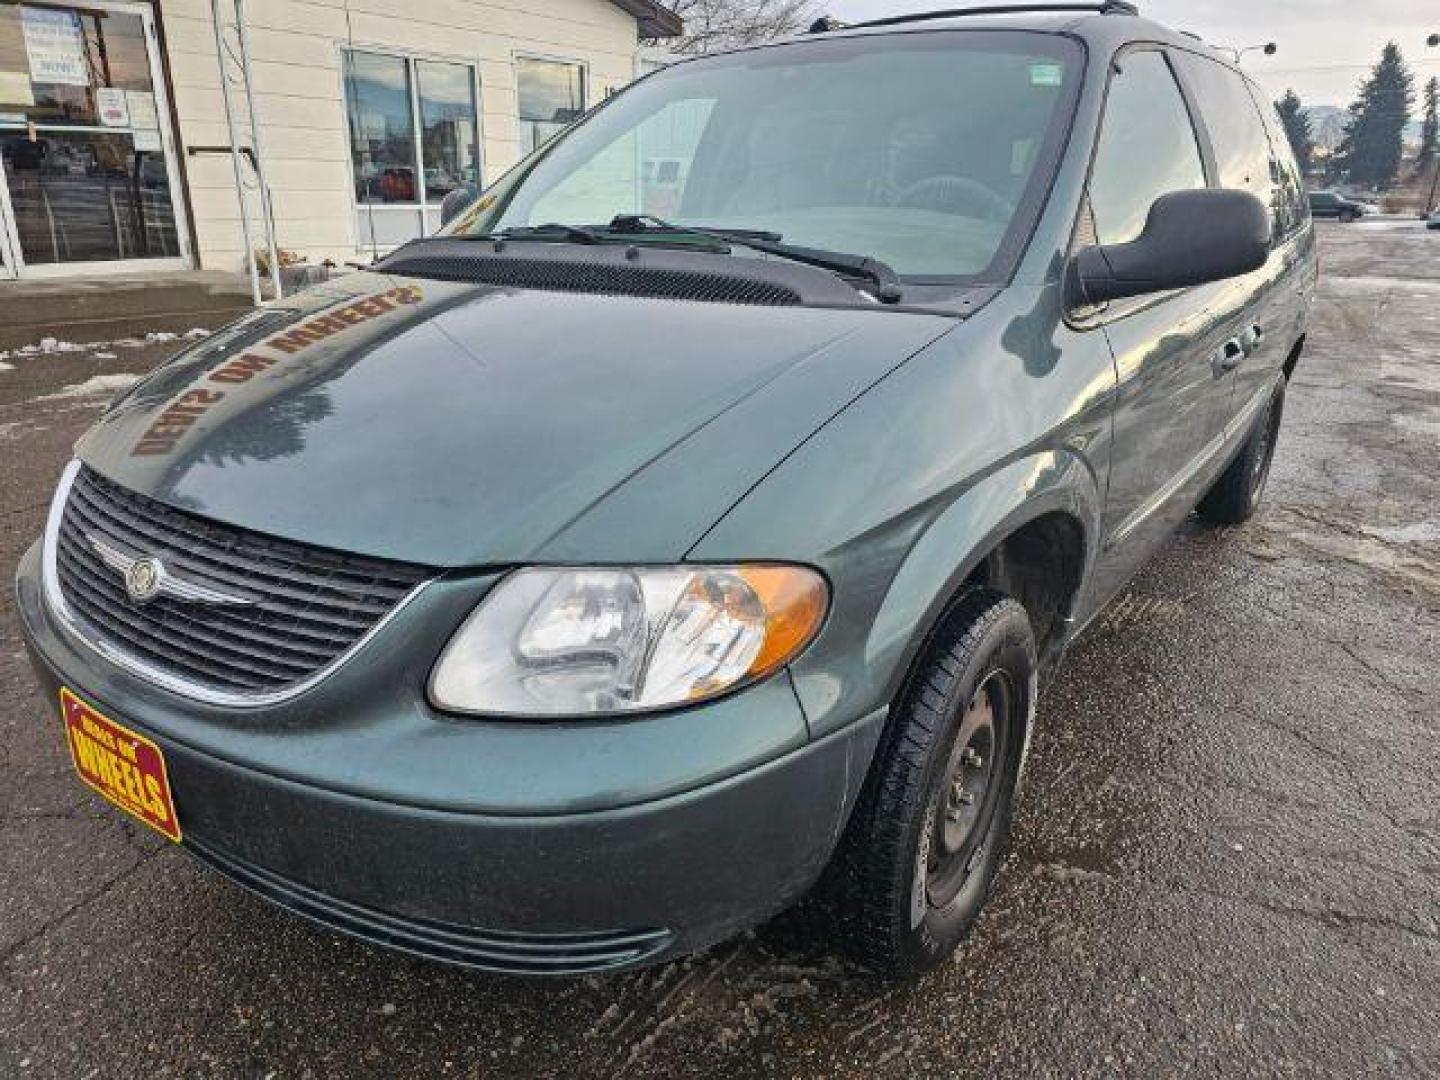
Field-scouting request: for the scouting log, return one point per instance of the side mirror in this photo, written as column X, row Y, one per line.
column 1190, row 238
column 456, row 201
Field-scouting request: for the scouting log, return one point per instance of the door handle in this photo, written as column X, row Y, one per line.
column 1228, row 358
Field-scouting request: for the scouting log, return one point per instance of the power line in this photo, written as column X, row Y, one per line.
column 1333, row 67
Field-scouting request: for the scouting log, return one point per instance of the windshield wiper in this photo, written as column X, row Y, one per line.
column 880, row 274
column 643, row 223
column 573, row 234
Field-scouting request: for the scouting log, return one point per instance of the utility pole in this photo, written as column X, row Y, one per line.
column 1433, row 41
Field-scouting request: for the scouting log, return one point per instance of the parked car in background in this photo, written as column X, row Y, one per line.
column 579, row 588
column 1329, row 204
column 1433, row 221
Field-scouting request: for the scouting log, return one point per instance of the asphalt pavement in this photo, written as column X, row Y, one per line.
column 1227, row 860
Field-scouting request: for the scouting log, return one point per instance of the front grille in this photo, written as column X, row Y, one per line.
column 656, row 283
column 306, row 606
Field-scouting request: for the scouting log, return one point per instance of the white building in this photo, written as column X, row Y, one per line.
column 116, row 152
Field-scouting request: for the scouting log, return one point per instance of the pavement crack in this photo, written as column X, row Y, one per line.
column 1338, row 918
column 85, row 901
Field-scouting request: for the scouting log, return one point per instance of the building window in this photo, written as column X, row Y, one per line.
column 414, row 138
column 552, row 94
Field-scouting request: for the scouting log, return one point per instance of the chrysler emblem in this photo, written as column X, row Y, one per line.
column 143, row 579
column 146, row 578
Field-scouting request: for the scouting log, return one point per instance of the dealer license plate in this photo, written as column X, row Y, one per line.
column 120, row 764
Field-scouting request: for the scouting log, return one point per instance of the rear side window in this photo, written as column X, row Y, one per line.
column 1147, row 147
column 1237, row 133
column 1292, row 208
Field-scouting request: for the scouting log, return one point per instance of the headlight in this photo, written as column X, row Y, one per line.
column 619, row 640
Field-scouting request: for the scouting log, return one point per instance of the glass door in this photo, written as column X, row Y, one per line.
column 87, row 163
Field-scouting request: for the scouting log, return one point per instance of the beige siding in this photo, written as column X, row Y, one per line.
column 295, row 47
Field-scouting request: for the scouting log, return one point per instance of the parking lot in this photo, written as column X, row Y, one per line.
column 1227, row 860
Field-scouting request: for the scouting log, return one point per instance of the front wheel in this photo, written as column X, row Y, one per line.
column 933, row 822
column 1236, row 495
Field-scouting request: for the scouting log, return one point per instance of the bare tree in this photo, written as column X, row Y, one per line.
column 712, row 25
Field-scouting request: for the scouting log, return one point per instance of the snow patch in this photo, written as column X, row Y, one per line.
column 96, row 384
column 1422, row 532
column 4, row 367
column 103, row 350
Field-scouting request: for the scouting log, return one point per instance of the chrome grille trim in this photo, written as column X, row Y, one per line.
column 116, row 653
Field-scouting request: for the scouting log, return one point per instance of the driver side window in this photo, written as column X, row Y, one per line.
column 1147, row 147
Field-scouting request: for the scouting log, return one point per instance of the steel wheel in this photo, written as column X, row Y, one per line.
column 964, row 804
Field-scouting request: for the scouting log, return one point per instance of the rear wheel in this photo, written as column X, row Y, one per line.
column 1236, row 495
column 932, row 825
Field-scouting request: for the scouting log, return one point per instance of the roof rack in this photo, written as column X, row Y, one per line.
column 1099, row 7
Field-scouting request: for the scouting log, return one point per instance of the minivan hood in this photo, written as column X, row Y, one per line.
column 460, row 425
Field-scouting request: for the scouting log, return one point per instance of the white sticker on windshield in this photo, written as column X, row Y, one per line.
column 1046, row 74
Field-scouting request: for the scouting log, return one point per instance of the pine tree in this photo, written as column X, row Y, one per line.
column 1297, row 128
column 1429, row 128
column 1373, row 145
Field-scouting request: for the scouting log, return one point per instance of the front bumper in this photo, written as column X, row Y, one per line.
column 579, row 847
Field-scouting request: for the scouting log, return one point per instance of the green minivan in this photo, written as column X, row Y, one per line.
column 684, row 531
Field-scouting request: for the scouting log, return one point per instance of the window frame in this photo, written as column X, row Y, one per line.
column 587, row 104
column 423, row 206
column 1104, row 314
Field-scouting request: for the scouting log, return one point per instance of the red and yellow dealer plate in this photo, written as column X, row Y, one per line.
column 125, row 767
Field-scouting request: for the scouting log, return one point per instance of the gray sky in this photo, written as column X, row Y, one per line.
column 1326, row 46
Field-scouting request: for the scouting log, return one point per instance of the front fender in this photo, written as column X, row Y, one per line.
column 900, row 497
column 874, row 637
column 960, row 539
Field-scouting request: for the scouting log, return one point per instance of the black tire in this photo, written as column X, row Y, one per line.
column 929, row 832
column 1347, row 217
column 1236, row 495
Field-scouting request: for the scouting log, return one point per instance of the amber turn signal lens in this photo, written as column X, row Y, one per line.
column 795, row 601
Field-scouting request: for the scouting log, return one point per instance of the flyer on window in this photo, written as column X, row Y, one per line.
column 55, row 46
column 141, row 106
column 113, row 110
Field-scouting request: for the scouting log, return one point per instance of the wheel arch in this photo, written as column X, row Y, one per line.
column 1001, row 534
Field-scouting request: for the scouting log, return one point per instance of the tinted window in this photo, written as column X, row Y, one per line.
column 1237, row 134
column 1147, row 147
column 1292, row 209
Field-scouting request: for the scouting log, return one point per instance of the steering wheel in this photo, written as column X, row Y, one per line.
column 952, row 194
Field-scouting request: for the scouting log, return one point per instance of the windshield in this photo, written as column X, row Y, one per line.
column 931, row 152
